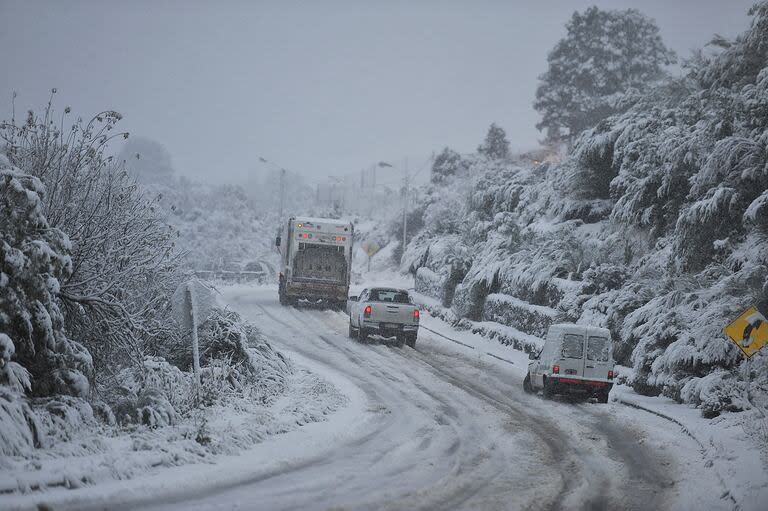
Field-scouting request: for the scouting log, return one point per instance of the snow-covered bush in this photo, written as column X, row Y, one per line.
column 655, row 226
column 531, row 319
column 37, row 354
column 19, row 427
column 715, row 393
column 430, row 283
column 152, row 394
column 123, row 264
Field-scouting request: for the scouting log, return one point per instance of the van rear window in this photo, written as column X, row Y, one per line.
column 597, row 348
column 573, row 346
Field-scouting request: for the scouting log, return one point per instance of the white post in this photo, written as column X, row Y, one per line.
column 405, row 205
column 195, row 345
column 282, row 193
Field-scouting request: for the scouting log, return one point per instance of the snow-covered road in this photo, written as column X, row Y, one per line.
column 445, row 429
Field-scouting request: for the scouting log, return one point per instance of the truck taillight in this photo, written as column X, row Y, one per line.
column 555, row 369
column 367, row 311
column 610, row 374
column 416, row 314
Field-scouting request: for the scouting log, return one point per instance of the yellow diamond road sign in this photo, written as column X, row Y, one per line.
column 370, row 248
column 749, row 331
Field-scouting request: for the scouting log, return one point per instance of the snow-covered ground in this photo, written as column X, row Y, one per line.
column 444, row 426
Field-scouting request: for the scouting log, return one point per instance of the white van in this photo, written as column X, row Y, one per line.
column 575, row 359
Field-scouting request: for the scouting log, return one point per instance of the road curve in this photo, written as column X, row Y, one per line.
column 445, row 430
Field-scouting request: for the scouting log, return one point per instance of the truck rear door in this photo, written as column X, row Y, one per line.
column 321, row 263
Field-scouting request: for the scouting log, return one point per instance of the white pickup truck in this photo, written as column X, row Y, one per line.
column 384, row 311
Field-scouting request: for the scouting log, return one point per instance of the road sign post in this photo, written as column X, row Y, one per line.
column 370, row 248
column 192, row 303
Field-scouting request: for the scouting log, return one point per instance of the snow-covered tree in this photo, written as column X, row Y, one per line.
column 655, row 226
column 123, row 258
column 447, row 163
column 604, row 55
column 36, row 355
column 495, row 146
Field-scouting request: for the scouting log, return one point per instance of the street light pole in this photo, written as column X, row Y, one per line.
column 405, row 205
column 281, row 201
column 282, row 194
column 406, row 178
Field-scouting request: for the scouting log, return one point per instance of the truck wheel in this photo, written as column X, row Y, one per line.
column 351, row 330
column 602, row 397
column 527, row 387
column 362, row 335
column 400, row 341
column 411, row 341
column 281, row 296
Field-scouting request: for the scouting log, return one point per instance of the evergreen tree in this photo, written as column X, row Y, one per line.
column 447, row 163
column 604, row 56
column 496, row 145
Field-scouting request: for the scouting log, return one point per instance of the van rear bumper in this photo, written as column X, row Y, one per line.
column 577, row 385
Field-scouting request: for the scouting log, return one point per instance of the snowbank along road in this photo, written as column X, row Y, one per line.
column 441, row 428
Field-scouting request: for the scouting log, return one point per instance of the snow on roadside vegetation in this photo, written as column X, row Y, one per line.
column 95, row 376
column 652, row 227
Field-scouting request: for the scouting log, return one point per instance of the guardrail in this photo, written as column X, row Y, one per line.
column 232, row 276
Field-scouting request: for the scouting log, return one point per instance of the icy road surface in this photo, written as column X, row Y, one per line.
column 441, row 428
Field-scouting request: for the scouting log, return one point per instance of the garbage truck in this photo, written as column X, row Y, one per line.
column 315, row 261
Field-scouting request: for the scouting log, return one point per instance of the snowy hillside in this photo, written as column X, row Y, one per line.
column 655, row 226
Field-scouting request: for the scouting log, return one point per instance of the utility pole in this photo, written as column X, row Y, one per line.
column 374, row 176
column 282, row 194
column 405, row 205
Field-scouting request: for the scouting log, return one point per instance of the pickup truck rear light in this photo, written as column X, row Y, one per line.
column 555, row 369
column 610, row 374
column 416, row 314
column 367, row 311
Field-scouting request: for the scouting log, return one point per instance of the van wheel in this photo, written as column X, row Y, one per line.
column 281, row 295
column 602, row 397
column 400, row 341
column 527, row 384
column 362, row 335
column 549, row 391
column 411, row 341
column 352, row 333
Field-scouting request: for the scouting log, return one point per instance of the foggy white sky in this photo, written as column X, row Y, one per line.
column 319, row 87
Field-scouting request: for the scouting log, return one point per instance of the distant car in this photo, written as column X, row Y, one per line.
column 388, row 312
column 575, row 359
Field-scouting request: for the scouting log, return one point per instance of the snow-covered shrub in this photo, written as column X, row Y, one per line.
column 152, row 394
column 123, row 264
column 430, row 283
column 715, row 393
column 62, row 418
column 655, row 226
column 19, row 426
column 605, row 277
column 531, row 319
column 236, row 358
column 34, row 260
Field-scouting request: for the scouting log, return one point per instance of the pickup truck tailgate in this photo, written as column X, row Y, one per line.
column 399, row 313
